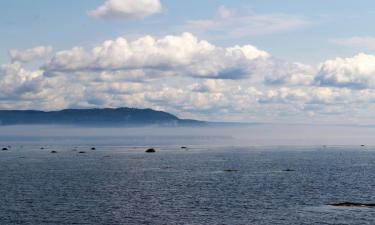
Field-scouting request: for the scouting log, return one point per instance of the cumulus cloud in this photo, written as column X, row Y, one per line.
column 31, row 54
column 230, row 23
column 357, row 42
column 127, row 9
column 290, row 74
column 283, row 95
column 16, row 81
column 357, row 72
column 183, row 55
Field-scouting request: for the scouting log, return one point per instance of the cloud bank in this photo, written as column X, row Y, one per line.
column 183, row 55
column 193, row 78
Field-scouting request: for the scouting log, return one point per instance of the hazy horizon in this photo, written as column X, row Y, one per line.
column 252, row 135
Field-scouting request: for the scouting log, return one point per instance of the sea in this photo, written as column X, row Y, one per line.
column 88, row 176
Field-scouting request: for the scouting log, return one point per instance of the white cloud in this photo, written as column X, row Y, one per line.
column 290, row 74
column 283, row 95
column 357, row 72
column 229, row 23
column 357, row 42
column 183, row 55
column 127, row 9
column 16, row 80
column 31, row 54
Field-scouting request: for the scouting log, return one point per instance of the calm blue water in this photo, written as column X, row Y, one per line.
column 124, row 185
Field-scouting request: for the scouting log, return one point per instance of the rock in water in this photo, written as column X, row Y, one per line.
column 53, row 152
column 150, row 150
column 353, row 204
column 93, row 148
column 4, row 149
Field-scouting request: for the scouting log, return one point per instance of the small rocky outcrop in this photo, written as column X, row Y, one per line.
column 150, row 150
column 354, row 204
column 4, row 149
column 93, row 148
column 53, row 152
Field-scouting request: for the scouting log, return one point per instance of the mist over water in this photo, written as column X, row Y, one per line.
column 247, row 135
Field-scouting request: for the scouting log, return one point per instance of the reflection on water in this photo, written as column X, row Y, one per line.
column 124, row 185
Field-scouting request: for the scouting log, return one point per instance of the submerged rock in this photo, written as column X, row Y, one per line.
column 150, row 150
column 53, row 152
column 288, row 170
column 93, row 148
column 230, row 170
column 81, row 152
column 4, row 149
column 41, row 148
column 184, row 147
column 354, row 204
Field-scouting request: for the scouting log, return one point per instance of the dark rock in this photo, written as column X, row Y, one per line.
column 53, row 152
column 93, row 148
column 150, row 150
column 354, row 204
column 288, row 170
column 231, row 170
column 183, row 147
column 4, row 149
column 42, row 148
column 362, row 145
column 166, row 167
column 81, row 152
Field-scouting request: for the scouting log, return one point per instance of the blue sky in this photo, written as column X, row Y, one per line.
column 65, row 24
column 308, row 60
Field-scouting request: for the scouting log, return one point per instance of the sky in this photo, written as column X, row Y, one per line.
column 273, row 61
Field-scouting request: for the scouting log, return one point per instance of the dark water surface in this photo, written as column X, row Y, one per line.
column 124, row 185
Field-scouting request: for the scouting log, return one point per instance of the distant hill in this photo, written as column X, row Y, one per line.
column 104, row 117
